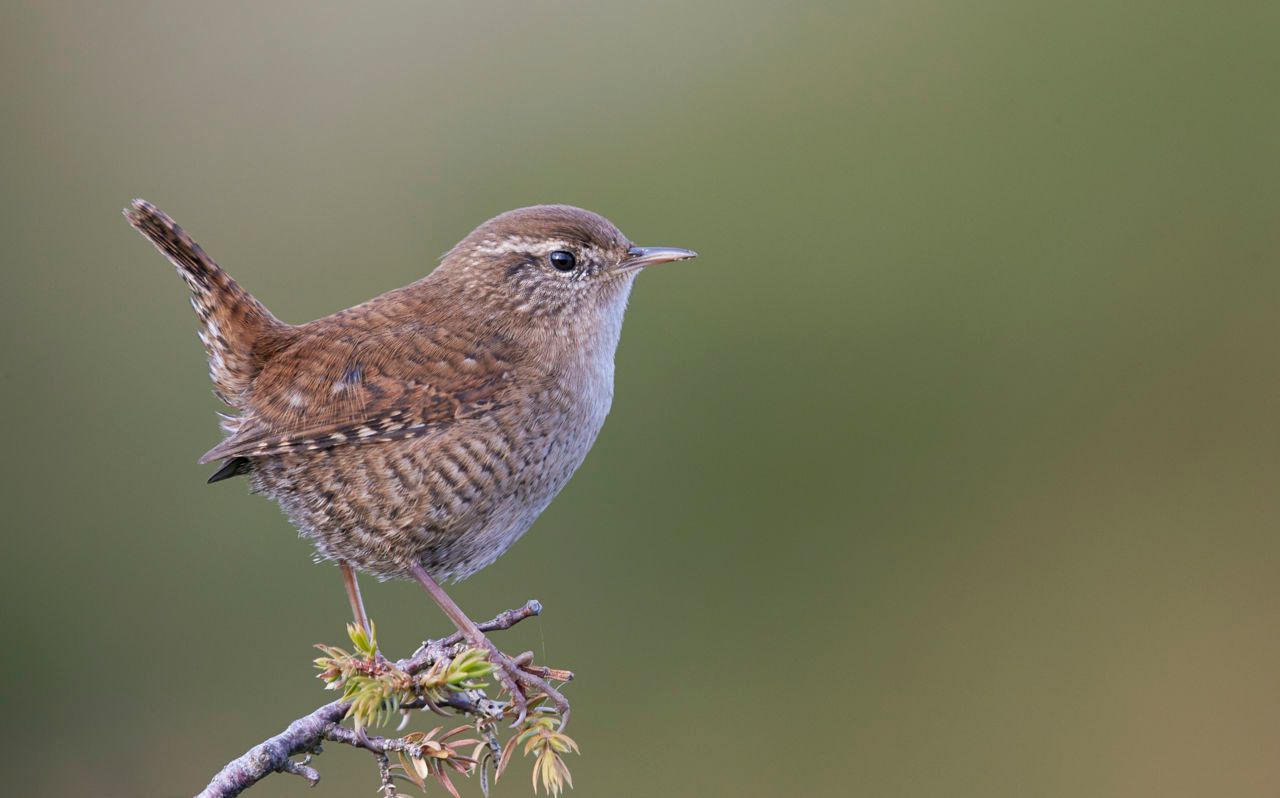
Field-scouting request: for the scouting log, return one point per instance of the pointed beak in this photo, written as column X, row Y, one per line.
column 639, row 257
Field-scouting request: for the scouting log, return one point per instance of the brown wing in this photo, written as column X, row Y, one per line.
column 334, row 386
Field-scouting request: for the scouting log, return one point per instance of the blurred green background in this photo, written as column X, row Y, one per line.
column 949, row 468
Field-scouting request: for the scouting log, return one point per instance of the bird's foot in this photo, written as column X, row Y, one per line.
column 524, row 684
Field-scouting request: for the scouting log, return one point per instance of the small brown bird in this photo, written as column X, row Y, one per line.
column 419, row 434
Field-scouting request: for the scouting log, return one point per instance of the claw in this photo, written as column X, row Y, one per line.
column 520, row 684
column 523, row 706
column 434, row 707
column 363, row 738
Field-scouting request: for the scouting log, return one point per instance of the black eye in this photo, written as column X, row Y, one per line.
column 564, row 261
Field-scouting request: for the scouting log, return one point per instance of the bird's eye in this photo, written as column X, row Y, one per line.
column 563, row 261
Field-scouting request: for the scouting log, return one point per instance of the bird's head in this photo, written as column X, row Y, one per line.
column 550, row 270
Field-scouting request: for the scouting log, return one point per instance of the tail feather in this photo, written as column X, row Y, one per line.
column 237, row 330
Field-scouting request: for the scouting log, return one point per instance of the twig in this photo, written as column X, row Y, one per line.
column 384, row 774
column 304, row 735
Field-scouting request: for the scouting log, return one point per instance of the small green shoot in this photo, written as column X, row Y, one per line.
column 377, row 688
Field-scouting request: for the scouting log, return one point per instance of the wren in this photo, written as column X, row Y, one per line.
column 420, row 434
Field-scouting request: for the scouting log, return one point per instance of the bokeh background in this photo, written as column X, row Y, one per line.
column 949, row 468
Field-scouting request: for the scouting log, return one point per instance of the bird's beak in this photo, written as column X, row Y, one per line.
column 647, row 256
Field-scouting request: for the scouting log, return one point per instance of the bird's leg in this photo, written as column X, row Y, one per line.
column 353, row 595
column 362, row 620
column 509, row 672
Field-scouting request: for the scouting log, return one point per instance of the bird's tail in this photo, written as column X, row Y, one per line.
column 237, row 330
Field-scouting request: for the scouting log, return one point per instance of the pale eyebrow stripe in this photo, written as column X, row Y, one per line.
column 524, row 244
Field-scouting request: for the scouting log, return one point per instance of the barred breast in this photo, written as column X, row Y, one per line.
column 453, row 502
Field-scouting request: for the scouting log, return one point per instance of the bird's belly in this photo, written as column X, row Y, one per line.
column 453, row 503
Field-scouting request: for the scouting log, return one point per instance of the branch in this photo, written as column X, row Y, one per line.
column 304, row 735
